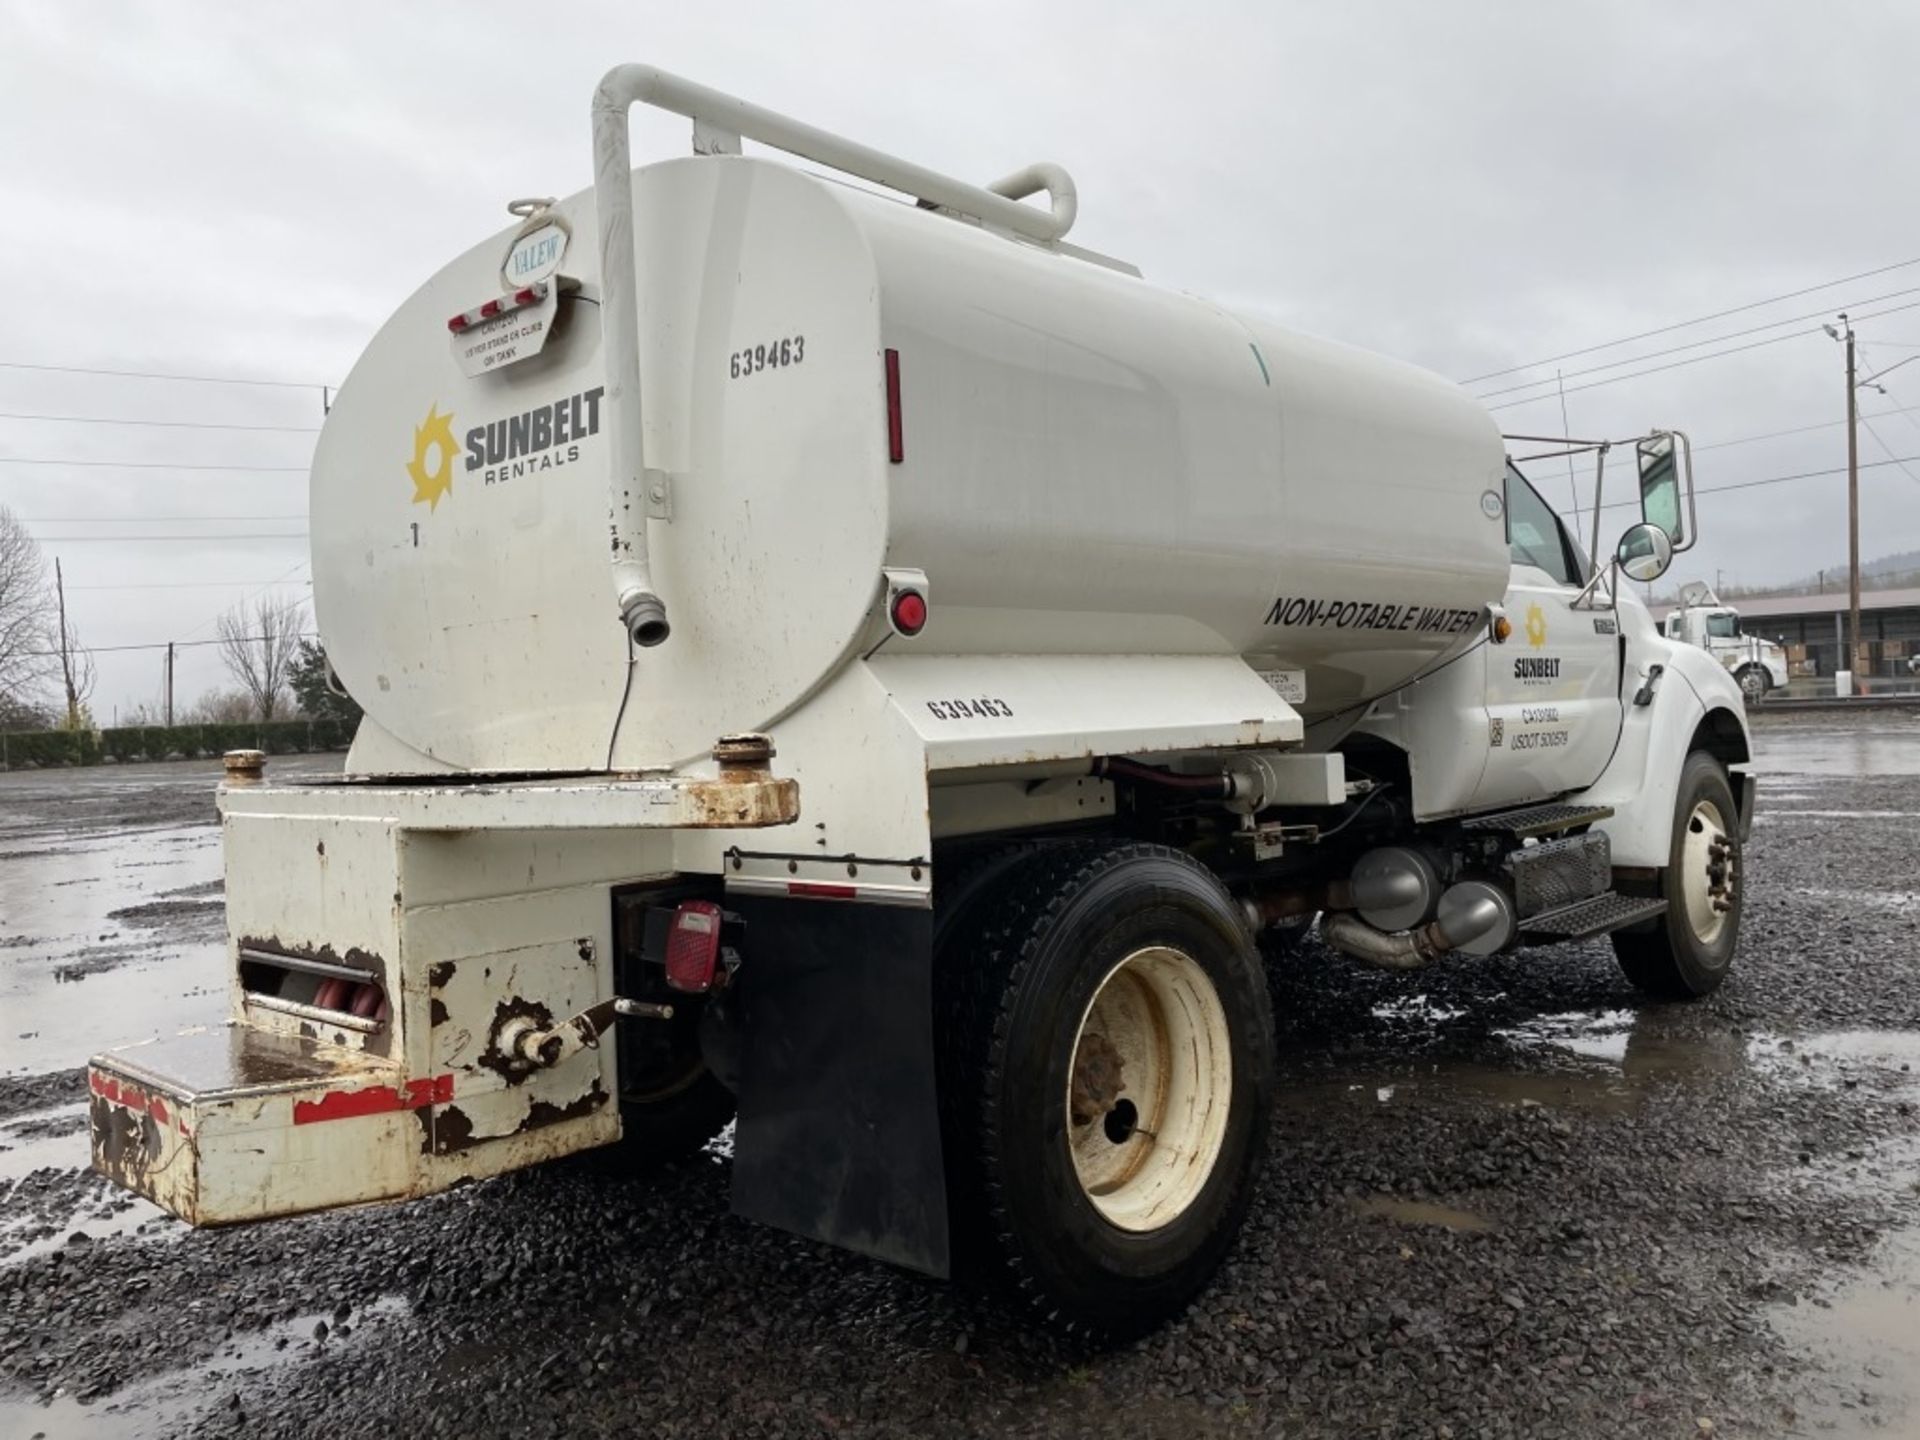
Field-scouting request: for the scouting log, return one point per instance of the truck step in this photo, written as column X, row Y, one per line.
column 1537, row 820
column 1588, row 918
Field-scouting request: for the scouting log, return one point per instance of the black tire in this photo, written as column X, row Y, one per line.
column 1754, row 683
column 672, row 1107
column 1016, row 979
column 1669, row 960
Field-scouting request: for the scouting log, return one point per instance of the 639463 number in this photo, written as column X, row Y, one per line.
column 788, row 350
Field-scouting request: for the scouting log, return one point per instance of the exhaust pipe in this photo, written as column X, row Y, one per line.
column 1474, row 916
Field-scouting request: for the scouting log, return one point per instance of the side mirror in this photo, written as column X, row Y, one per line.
column 1660, row 487
column 1644, row 552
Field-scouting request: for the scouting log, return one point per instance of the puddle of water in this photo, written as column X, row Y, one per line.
column 25, row 1153
column 1423, row 1212
column 1604, row 1090
column 1866, row 1338
column 1861, row 747
column 168, row 1404
column 57, row 1019
column 1417, row 1008
column 74, row 981
column 1872, row 899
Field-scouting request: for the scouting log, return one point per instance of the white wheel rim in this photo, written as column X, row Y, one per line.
column 1708, row 882
column 1149, row 1089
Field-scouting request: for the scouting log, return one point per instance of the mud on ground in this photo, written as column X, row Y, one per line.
column 1503, row 1198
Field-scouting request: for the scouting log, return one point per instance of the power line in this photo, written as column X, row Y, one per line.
column 163, row 644
column 1683, row 324
column 178, row 585
column 160, row 539
column 158, row 424
column 1889, row 449
column 152, row 465
column 197, row 519
column 1656, row 369
column 1699, row 359
column 1697, row 344
column 161, row 375
column 245, row 600
column 1797, row 430
column 1902, row 461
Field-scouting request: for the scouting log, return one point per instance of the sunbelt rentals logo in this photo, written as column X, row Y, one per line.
column 431, row 468
column 1536, row 627
column 545, row 437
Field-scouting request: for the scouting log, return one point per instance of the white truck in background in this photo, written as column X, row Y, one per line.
column 1702, row 619
column 841, row 656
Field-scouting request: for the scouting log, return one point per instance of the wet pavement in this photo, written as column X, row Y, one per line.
column 1503, row 1198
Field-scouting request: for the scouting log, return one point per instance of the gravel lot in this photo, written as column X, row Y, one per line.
column 1504, row 1199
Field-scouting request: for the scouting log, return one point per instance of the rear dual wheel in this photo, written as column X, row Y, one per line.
column 1106, row 1078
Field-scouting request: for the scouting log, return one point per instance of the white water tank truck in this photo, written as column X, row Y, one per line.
column 839, row 655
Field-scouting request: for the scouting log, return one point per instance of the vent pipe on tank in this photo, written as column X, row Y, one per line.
column 625, row 86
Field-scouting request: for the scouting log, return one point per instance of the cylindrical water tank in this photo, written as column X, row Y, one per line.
column 1085, row 464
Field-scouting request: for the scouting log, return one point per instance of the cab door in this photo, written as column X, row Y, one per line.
column 1553, row 688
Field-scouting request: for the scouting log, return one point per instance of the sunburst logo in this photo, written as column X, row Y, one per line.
column 432, row 436
column 1536, row 626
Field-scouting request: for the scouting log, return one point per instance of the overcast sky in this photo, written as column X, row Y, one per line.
column 248, row 191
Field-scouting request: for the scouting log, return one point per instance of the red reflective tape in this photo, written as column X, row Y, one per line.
column 808, row 891
column 896, row 436
column 373, row 1100
column 436, row 1091
column 128, row 1097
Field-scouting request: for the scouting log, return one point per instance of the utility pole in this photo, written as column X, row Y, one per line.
column 66, row 653
column 1853, row 507
column 169, row 684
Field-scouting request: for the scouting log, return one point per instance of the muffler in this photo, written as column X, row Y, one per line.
column 1475, row 917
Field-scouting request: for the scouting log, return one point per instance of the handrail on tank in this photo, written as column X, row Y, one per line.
column 623, row 87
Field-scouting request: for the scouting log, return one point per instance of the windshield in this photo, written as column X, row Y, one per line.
column 1723, row 625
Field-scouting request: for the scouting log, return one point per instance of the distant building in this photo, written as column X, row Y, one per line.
column 1813, row 628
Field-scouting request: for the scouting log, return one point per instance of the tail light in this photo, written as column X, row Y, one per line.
column 909, row 613
column 693, row 947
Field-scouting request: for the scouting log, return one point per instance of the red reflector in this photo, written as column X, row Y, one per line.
column 693, row 947
column 490, row 309
column 896, row 439
column 812, row 890
column 525, row 297
column 457, row 324
column 909, row 612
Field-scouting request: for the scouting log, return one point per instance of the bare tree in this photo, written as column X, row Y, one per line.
column 77, row 672
column 29, row 633
column 258, row 645
column 219, row 707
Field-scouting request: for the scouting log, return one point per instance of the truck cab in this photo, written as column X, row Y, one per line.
column 1702, row 619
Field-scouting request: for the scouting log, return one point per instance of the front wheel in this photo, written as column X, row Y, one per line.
column 1687, row 952
column 1108, row 1079
column 1754, row 683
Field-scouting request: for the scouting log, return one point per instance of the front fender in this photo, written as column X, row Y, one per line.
column 1694, row 704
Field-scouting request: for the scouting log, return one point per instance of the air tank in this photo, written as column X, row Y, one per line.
column 1079, row 461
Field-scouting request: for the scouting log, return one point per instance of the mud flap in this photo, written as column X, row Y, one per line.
column 839, row 1129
